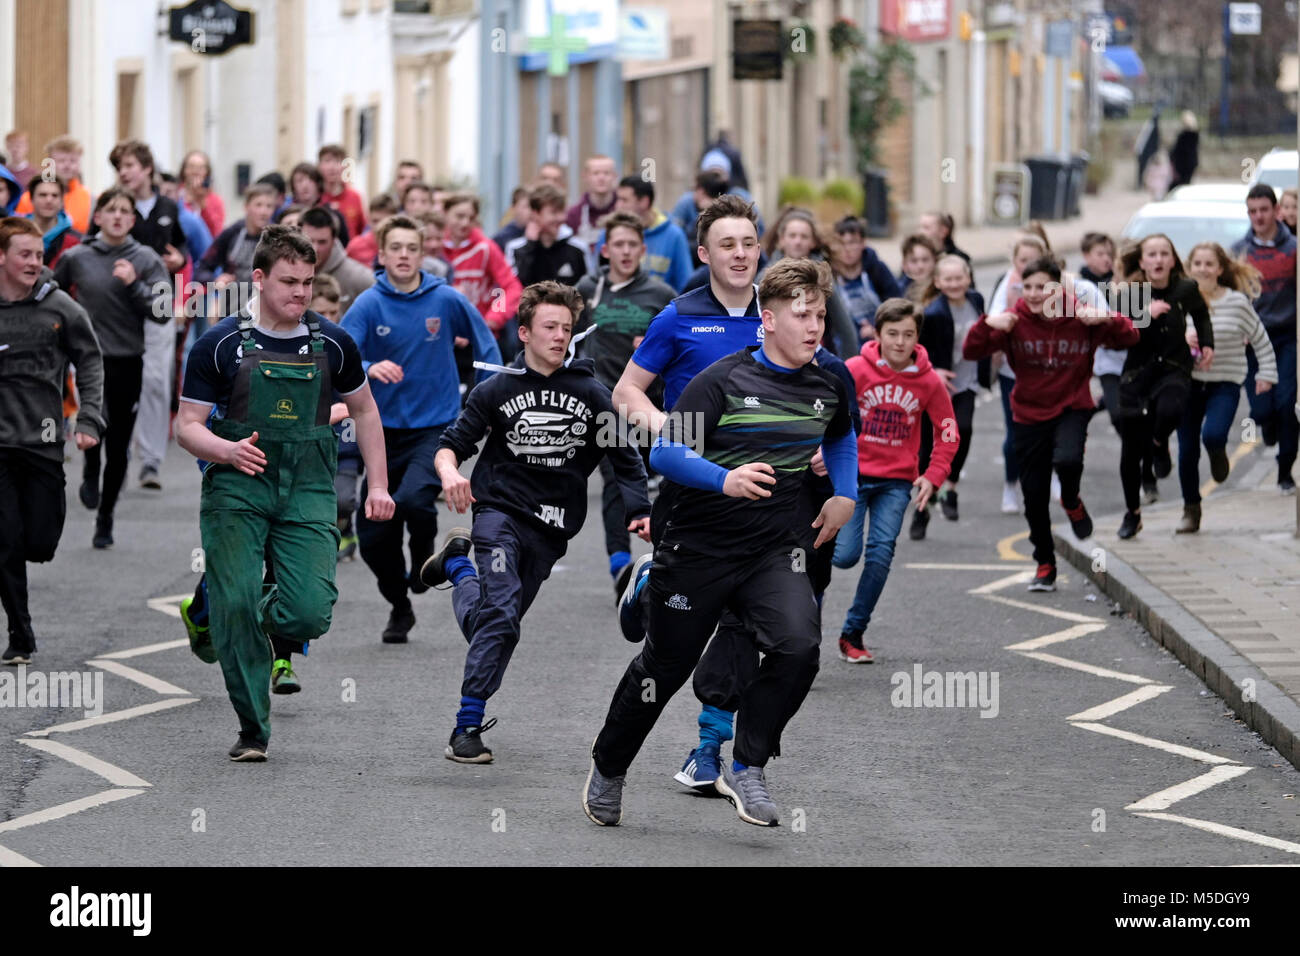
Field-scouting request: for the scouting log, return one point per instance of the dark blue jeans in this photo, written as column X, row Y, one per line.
column 513, row 560
column 1277, row 405
column 1207, row 417
column 1010, row 467
column 887, row 500
column 414, row 486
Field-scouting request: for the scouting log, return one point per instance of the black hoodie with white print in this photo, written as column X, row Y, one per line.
column 545, row 436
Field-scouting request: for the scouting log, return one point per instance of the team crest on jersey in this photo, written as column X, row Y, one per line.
column 434, row 325
column 819, row 406
column 382, row 329
column 760, row 333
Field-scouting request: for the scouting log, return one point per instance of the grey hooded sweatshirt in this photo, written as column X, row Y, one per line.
column 118, row 311
column 40, row 336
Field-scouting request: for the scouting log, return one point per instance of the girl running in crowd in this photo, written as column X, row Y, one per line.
column 1006, row 292
column 938, row 226
column 1227, row 286
column 919, row 256
column 1286, row 208
column 1156, row 382
column 795, row 236
column 956, row 307
column 1049, row 340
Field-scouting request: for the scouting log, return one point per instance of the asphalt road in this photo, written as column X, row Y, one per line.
column 356, row 773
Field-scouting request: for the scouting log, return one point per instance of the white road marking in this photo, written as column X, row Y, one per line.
column 114, row 775
column 1087, row 668
column 169, row 605
column 921, row 566
column 1113, row 707
column 10, row 858
column 67, row 809
column 140, row 677
column 1164, row 799
column 1164, row 745
column 113, row 716
column 1069, row 634
column 146, row 649
column 1049, row 611
column 1020, row 577
column 1224, row 830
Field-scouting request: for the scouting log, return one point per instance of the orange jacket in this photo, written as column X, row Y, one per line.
column 76, row 203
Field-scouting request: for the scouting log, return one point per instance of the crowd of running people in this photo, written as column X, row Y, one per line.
column 764, row 404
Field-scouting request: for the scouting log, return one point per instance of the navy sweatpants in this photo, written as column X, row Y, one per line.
column 513, row 560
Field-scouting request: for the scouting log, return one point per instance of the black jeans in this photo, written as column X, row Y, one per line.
column 688, row 593
column 963, row 410
column 414, row 486
column 1151, row 407
column 32, row 509
column 122, row 378
column 1041, row 447
column 1110, row 401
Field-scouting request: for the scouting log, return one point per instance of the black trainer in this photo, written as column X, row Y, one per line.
column 1161, row 462
column 948, row 503
column 399, row 625
column 248, row 750
column 466, row 746
column 1219, row 464
column 1080, row 520
column 457, row 544
column 14, row 655
column 89, row 493
column 103, row 538
column 1044, row 578
column 920, row 521
column 1131, row 525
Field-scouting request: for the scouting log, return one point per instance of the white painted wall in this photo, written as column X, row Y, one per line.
column 466, row 104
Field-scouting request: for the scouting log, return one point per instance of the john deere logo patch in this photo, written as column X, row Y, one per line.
column 284, row 406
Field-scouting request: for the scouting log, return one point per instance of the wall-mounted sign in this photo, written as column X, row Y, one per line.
column 210, row 26
column 1009, row 195
column 916, row 20
column 757, row 49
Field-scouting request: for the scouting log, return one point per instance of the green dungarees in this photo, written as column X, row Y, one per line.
column 288, row 512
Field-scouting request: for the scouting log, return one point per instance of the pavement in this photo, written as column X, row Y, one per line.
column 1225, row 601
column 1108, row 211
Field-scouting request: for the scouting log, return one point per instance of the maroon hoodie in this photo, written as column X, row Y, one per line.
column 891, row 404
column 1052, row 359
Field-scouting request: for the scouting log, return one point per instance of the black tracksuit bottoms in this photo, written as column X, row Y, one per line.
column 771, row 594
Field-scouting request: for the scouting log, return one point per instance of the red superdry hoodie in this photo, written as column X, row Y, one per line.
column 891, row 404
column 1052, row 358
column 479, row 268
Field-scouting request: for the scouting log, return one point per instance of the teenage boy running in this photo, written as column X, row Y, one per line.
column 621, row 301
column 43, row 331
column 404, row 326
column 1049, row 343
column 894, row 383
column 730, row 539
column 337, row 194
column 545, row 416
column 268, row 494
column 49, row 216
column 117, row 280
column 548, row 250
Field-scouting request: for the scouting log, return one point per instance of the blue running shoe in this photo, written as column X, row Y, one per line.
column 701, row 769
column 630, row 617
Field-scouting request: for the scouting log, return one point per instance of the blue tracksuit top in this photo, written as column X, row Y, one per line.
column 415, row 330
column 690, row 334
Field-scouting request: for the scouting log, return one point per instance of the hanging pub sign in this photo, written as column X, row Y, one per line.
column 211, row 26
column 758, row 49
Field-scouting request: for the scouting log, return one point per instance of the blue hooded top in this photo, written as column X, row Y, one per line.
column 415, row 330
column 15, row 191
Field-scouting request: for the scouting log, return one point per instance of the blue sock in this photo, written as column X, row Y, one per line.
column 471, row 713
column 715, row 726
column 618, row 561
column 737, row 766
column 458, row 568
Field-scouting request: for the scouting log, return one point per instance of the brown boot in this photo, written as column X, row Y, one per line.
column 1191, row 522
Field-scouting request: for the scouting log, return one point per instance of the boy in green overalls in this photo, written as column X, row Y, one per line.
column 270, row 372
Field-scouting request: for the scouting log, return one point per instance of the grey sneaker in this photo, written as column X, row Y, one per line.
column 602, row 800
column 747, row 792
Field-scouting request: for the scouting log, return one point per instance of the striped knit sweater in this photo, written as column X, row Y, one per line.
column 1236, row 324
